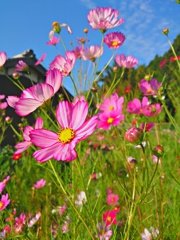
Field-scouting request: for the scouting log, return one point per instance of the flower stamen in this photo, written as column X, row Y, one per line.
column 66, row 135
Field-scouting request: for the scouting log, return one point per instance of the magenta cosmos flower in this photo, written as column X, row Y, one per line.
column 150, row 87
column 150, row 110
column 126, row 62
column 109, row 217
column 114, row 40
column 2, row 58
column 22, row 146
column 3, row 105
column 106, row 120
column 136, row 107
column 74, row 128
column 104, row 18
column 3, row 183
column 21, row 66
column 53, row 40
column 64, row 65
column 91, row 53
column 4, row 202
column 112, row 199
column 37, row 95
column 112, row 103
column 40, row 183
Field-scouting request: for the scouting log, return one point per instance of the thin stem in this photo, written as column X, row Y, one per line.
column 66, row 194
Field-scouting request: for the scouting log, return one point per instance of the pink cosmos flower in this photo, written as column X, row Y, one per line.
column 2, row 96
column 114, row 40
column 104, row 232
column 3, row 105
column 2, row 58
column 21, row 66
column 104, row 18
column 34, row 219
column 91, row 53
column 112, row 199
column 74, row 128
column 126, row 62
column 149, row 88
column 19, row 223
column 54, row 41
column 112, row 103
column 3, row 183
column 64, row 65
column 162, row 63
column 37, row 95
column 41, row 59
column 22, row 146
column 136, row 107
column 40, row 183
column 109, row 217
column 172, row 59
column 146, row 235
column 107, row 119
column 77, row 51
column 152, row 110
column 4, row 202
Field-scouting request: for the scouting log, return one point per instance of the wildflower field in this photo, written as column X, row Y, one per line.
column 103, row 165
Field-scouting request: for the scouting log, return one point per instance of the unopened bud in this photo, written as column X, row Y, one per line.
column 15, row 75
column 115, row 69
column 165, row 31
column 85, row 30
column 56, row 27
column 8, row 119
column 158, row 150
column 133, row 135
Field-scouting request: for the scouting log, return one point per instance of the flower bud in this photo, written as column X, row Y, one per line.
column 8, row 119
column 85, row 30
column 133, row 135
column 15, row 75
column 158, row 150
column 165, row 31
column 56, row 27
column 115, row 69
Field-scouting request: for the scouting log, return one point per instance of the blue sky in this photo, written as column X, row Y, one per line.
column 26, row 24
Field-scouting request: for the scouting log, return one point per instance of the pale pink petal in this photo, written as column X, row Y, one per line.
column 79, row 114
column 64, row 114
column 12, row 100
column 87, row 128
column 22, row 146
column 39, row 123
column 26, row 106
column 43, row 138
column 47, row 153
column 54, row 78
column 42, row 91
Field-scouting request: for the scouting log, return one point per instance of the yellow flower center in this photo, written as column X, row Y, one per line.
column 111, row 108
column 1, row 204
column 115, row 43
column 66, row 135
column 109, row 219
column 110, row 120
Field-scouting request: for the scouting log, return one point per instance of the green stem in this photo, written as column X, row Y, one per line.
column 132, row 209
column 66, row 194
column 172, row 48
